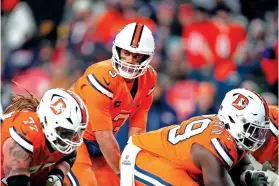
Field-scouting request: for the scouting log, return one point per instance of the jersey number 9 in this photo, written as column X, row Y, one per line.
column 191, row 129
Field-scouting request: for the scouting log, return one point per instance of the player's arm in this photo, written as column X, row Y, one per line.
column 57, row 174
column 98, row 105
column 139, row 120
column 16, row 164
column 239, row 169
column 110, row 148
column 213, row 171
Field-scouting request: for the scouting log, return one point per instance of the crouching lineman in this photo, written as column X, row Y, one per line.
column 203, row 149
column 267, row 155
column 39, row 139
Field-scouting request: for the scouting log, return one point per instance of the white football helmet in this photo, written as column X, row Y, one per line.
column 136, row 38
column 246, row 116
column 64, row 117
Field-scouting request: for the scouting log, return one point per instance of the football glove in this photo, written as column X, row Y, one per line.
column 54, row 180
column 255, row 178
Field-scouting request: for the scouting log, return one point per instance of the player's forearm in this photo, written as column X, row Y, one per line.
column 237, row 172
column 109, row 148
column 16, row 159
column 245, row 164
column 64, row 167
column 13, row 171
column 112, row 155
column 66, row 163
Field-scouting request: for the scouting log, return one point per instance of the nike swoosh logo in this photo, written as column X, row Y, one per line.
column 107, row 83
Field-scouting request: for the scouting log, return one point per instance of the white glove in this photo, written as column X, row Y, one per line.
column 53, row 180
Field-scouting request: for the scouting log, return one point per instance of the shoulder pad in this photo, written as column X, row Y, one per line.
column 101, row 77
column 26, row 130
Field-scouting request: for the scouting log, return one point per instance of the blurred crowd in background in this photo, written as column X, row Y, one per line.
column 203, row 48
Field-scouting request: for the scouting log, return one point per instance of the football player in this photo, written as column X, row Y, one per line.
column 267, row 155
column 39, row 139
column 270, row 147
column 114, row 91
column 203, row 149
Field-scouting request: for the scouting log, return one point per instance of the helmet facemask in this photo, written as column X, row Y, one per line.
column 127, row 70
column 252, row 137
column 62, row 139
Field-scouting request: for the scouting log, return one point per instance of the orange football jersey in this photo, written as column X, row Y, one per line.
column 174, row 143
column 269, row 151
column 109, row 100
column 24, row 128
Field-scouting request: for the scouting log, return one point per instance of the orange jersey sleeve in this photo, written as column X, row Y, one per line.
column 24, row 128
column 139, row 119
column 99, row 114
column 95, row 87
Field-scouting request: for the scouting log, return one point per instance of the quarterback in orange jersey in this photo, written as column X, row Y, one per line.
column 269, row 151
column 39, row 139
column 115, row 90
column 202, row 149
